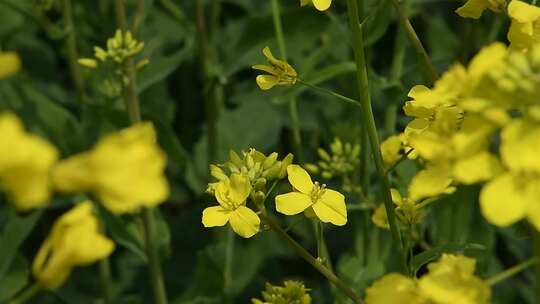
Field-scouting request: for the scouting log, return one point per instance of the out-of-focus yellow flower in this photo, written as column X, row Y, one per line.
column 10, row 63
column 407, row 211
column 231, row 194
column 281, row 73
column 451, row 280
column 25, row 164
column 342, row 159
column 394, row 288
column 328, row 205
column 120, row 47
column 514, row 195
column 525, row 27
column 475, row 8
column 293, row 292
column 75, row 240
column 125, row 170
column 88, row 62
column 321, row 5
column 380, row 218
column 394, row 148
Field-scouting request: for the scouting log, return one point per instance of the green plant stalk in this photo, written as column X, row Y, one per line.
column 106, row 280
column 229, row 255
column 369, row 124
column 71, row 48
column 507, row 273
column 293, row 103
column 175, row 11
column 131, row 99
column 330, row 92
column 303, row 253
column 27, row 294
column 430, row 71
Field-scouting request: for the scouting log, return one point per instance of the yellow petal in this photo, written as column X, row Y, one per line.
column 215, row 216
column 10, row 63
column 240, row 187
column 503, row 201
column 379, row 217
column 299, row 179
column 396, row 196
column 523, row 12
column 392, row 288
column 478, row 167
column 244, row 222
column 322, row 5
column 266, row 82
column 473, row 9
column 331, row 208
column 430, row 182
column 292, row 203
column 265, row 68
column 521, row 145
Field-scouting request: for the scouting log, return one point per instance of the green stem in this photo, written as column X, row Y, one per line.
column 330, row 92
column 131, row 99
column 229, row 254
column 303, row 253
column 175, row 11
column 403, row 157
column 140, row 15
column 369, row 124
column 27, row 294
column 507, row 273
column 106, row 280
column 293, row 103
column 71, row 48
column 431, row 72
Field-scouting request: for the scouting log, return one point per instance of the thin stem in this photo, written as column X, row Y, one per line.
column 330, row 92
column 303, row 253
column 229, row 254
column 403, row 157
column 293, row 103
column 507, row 273
column 131, row 99
column 430, row 70
column 27, row 294
column 369, row 124
column 106, row 280
column 140, row 15
column 71, row 48
column 175, row 11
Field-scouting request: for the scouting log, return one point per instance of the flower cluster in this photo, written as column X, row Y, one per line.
column 408, row 212
column 292, row 292
column 120, row 47
column 280, row 72
column 449, row 280
column 342, row 160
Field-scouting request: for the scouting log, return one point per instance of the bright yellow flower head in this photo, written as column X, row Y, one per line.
column 475, row 8
column 321, row 5
column 10, row 63
column 525, row 27
column 515, row 194
column 231, row 194
column 25, row 163
column 125, row 170
column 328, row 205
column 75, row 240
column 292, row 292
column 281, row 73
column 394, row 288
column 451, row 280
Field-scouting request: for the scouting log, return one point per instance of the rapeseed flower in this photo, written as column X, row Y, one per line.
column 525, row 27
column 292, row 292
column 342, row 159
column 328, row 205
column 75, row 240
column 10, row 63
column 125, row 170
column 25, row 164
column 231, row 194
column 281, row 73
column 120, row 47
column 320, row 5
column 475, row 8
column 394, row 288
column 407, row 211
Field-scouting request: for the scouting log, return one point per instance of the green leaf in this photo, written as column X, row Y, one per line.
column 161, row 67
column 15, row 279
column 18, row 227
column 430, row 255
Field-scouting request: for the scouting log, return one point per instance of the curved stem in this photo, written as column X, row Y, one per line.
column 330, row 92
column 369, row 123
column 501, row 276
column 27, row 294
column 131, row 99
column 430, row 70
column 303, row 253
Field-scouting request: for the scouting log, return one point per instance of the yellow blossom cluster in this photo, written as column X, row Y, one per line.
column 292, row 292
column 341, row 160
column 454, row 124
column 449, row 280
column 407, row 211
column 279, row 72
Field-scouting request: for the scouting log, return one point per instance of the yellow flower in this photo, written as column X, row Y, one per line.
column 515, row 194
column 292, row 292
column 475, row 8
column 231, row 194
column 328, row 205
column 394, row 148
column 125, row 170
column 321, row 5
column 393, row 288
column 451, row 280
column 25, row 163
column 380, row 218
column 525, row 27
column 10, row 63
column 75, row 240
column 281, row 73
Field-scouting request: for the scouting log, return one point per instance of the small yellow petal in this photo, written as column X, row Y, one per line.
column 244, row 222
column 10, row 63
column 215, row 216
column 299, row 179
column 331, row 208
column 322, row 5
column 292, row 203
column 504, row 200
column 266, row 82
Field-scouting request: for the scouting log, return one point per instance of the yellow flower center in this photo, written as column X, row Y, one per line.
column 317, row 192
